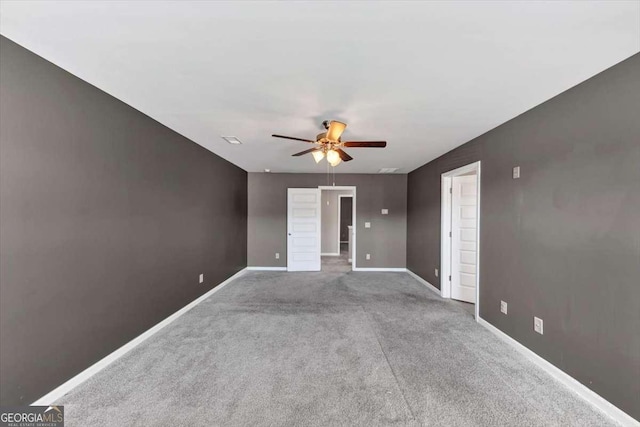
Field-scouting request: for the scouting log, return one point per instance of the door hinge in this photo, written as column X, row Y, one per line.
column 449, row 278
column 450, row 190
column 450, row 234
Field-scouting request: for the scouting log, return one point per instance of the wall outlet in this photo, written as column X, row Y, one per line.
column 436, row 272
column 538, row 325
column 503, row 307
column 368, row 256
column 516, row 172
column 385, row 211
column 277, row 255
column 202, row 278
column 367, row 225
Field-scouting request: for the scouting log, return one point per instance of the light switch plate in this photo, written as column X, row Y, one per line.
column 516, row 172
column 367, row 225
column 385, row 211
column 503, row 307
column 436, row 272
column 202, row 278
column 538, row 325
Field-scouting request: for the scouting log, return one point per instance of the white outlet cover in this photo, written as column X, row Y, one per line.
column 516, row 172
column 385, row 211
column 367, row 225
column 538, row 325
column 277, row 255
column 368, row 256
column 503, row 307
column 201, row 278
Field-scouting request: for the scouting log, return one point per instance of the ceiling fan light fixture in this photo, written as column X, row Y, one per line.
column 317, row 156
column 335, row 130
column 333, row 158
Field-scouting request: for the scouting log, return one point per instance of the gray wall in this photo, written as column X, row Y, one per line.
column 385, row 241
column 107, row 218
column 330, row 222
column 346, row 217
column 563, row 241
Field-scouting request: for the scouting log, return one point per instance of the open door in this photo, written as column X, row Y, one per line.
column 303, row 229
column 464, row 205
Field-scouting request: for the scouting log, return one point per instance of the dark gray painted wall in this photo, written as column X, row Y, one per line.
column 563, row 241
column 106, row 220
column 385, row 240
column 346, row 217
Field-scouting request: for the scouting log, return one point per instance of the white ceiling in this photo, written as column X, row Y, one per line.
column 425, row 76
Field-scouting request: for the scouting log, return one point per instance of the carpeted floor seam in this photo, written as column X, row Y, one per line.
column 395, row 377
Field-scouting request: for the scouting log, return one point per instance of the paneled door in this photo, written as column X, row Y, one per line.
column 464, row 205
column 303, row 229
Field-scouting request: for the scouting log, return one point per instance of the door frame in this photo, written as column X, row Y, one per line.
column 353, row 215
column 445, row 228
column 340, row 197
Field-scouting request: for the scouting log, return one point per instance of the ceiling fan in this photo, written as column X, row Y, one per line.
column 330, row 145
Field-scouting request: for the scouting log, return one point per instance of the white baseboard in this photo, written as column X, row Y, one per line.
column 329, row 254
column 395, row 270
column 600, row 403
column 267, row 268
column 66, row 387
column 424, row 282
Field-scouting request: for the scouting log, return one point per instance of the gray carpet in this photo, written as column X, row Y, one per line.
column 325, row 349
column 337, row 264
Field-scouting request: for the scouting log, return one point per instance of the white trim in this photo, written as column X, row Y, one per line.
column 329, row 254
column 567, row 380
column 445, row 242
column 267, row 268
column 391, row 269
column 353, row 221
column 336, row 187
column 424, row 282
column 445, row 227
column 69, row 385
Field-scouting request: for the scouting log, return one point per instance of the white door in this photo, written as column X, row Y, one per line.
column 303, row 229
column 464, row 205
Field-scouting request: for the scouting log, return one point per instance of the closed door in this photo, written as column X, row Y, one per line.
column 303, row 229
column 464, row 205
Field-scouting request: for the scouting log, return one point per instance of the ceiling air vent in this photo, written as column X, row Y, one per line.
column 232, row 140
column 388, row 170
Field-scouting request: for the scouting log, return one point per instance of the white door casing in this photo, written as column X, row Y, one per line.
column 303, row 229
column 464, row 203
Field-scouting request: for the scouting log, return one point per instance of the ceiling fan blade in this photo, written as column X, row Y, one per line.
column 293, row 138
column 360, row 144
column 343, row 155
column 310, row 150
column 335, row 130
